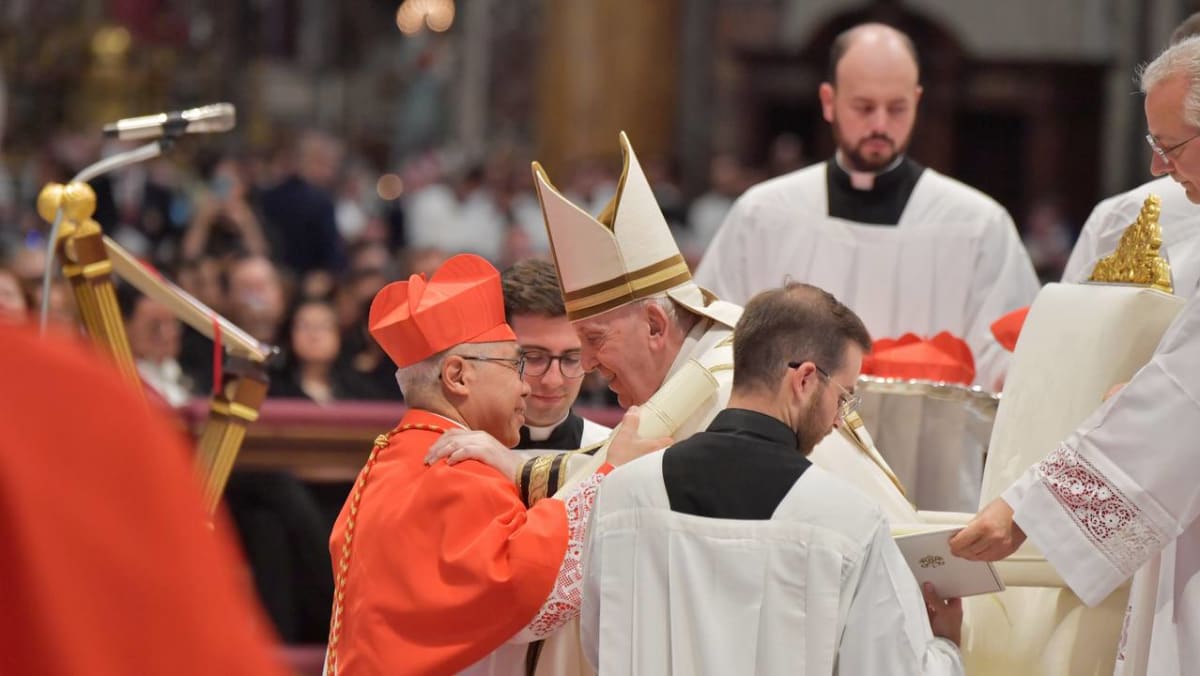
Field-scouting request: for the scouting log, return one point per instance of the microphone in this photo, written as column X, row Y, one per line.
column 210, row 119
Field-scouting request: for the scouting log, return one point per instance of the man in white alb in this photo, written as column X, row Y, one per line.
column 1121, row 495
column 1179, row 217
column 732, row 553
column 905, row 247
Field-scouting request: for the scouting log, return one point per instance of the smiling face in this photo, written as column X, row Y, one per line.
column 628, row 347
column 1165, row 121
column 872, row 106
column 494, row 400
column 550, row 394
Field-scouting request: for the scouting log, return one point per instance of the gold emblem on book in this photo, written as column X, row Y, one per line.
column 1137, row 259
column 932, row 561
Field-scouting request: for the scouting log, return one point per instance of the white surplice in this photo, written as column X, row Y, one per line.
column 954, row 262
column 1180, row 221
column 710, row 343
column 1123, row 490
column 820, row 588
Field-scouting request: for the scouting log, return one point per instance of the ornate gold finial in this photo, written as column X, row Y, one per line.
column 48, row 200
column 1137, row 259
column 77, row 199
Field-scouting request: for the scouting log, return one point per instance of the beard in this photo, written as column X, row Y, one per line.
column 857, row 159
column 811, row 430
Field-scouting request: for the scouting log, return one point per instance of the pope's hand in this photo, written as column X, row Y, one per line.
column 627, row 445
column 457, row 445
column 990, row 536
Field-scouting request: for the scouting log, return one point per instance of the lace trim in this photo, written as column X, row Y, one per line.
column 1124, row 636
column 1114, row 524
column 566, row 599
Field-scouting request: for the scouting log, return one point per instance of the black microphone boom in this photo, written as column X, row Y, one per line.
column 210, row 119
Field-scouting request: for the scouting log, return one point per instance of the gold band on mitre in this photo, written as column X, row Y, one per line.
column 643, row 283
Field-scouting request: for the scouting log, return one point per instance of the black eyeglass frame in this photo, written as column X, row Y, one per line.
column 517, row 364
column 848, row 403
column 550, row 359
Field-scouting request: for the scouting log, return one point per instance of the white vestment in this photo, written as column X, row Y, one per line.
column 1123, row 491
column 953, row 263
column 679, row 409
column 1180, row 221
column 820, row 588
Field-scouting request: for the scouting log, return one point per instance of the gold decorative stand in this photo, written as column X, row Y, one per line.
column 88, row 260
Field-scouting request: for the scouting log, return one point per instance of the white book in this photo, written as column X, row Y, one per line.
column 928, row 555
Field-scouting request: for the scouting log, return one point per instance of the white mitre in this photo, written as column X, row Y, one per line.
column 624, row 255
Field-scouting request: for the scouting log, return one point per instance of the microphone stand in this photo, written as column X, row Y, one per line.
column 88, row 260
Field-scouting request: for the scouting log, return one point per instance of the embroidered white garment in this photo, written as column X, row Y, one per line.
column 1123, row 489
column 563, row 603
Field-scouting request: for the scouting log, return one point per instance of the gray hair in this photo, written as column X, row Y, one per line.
column 415, row 378
column 678, row 315
column 1180, row 59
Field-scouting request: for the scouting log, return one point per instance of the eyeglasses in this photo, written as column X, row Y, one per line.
column 1164, row 153
column 848, row 402
column 517, row 364
column 537, row 363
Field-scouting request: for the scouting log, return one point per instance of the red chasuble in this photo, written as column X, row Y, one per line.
column 445, row 563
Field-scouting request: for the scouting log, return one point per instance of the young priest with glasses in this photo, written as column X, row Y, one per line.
column 553, row 363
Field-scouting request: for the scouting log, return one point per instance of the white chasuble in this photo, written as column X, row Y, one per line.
column 1180, row 222
column 1123, row 489
column 952, row 263
column 819, row 588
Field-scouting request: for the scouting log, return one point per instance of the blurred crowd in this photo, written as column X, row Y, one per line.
column 291, row 243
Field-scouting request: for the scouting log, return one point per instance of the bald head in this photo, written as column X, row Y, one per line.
column 876, row 40
column 871, row 96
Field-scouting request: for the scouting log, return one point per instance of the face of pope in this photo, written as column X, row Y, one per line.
column 630, row 349
column 1164, row 119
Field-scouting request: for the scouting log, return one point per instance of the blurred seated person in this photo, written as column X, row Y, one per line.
column 250, row 293
column 533, row 307
column 154, row 339
column 224, row 221
column 312, row 370
column 255, row 297
column 202, row 278
column 363, row 355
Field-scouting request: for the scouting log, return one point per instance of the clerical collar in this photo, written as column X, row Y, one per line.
column 543, row 433
column 565, row 436
column 881, row 204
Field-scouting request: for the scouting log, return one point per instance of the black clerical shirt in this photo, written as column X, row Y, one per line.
column 566, row 436
column 881, row 205
column 741, row 467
